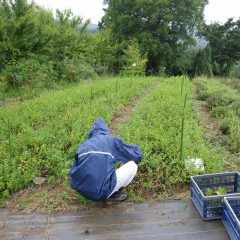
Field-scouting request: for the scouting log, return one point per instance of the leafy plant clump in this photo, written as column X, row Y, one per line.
column 28, row 72
column 217, row 191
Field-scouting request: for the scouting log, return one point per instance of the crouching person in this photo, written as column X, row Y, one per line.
column 93, row 173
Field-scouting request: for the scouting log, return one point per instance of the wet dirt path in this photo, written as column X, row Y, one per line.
column 128, row 110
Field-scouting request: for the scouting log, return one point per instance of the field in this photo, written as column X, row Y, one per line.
column 39, row 136
column 223, row 100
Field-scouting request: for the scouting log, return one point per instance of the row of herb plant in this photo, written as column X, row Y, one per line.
column 233, row 82
column 39, row 137
column 157, row 126
column 223, row 100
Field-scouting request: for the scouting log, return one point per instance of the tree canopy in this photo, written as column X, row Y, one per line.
column 163, row 28
column 225, row 45
column 156, row 36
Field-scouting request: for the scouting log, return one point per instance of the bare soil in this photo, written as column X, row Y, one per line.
column 43, row 199
column 127, row 111
column 122, row 116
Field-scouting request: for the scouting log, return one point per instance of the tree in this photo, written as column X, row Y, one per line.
column 133, row 63
column 162, row 27
column 33, row 44
column 102, row 51
column 225, row 45
column 184, row 64
column 235, row 70
column 69, row 40
column 203, row 64
column 25, row 30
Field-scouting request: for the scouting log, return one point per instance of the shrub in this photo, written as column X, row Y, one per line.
column 134, row 63
column 202, row 93
column 219, row 99
column 236, row 107
column 234, row 138
column 219, row 112
column 72, row 70
column 225, row 126
column 235, row 71
column 101, row 69
column 28, row 72
column 202, row 64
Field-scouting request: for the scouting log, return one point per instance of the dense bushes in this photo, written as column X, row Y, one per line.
column 235, row 71
column 202, row 65
column 32, row 73
column 133, row 63
column 38, row 50
column 72, row 70
column 28, row 72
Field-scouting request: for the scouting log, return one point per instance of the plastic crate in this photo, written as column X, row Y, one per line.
column 231, row 216
column 211, row 207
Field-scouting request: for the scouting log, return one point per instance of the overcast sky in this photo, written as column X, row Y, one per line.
column 216, row 10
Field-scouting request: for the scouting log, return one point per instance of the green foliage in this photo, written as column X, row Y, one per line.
column 134, row 63
column 234, row 137
column 224, row 42
column 225, row 126
column 25, row 30
column 184, row 64
column 67, row 41
column 28, row 72
column 215, row 191
column 35, row 49
column 235, row 70
column 46, row 131
column 72, row 70
column 203, row 66
column 223, row 100
column 208, row 192
column 160, row 27
column 103, row 52
column 156, row 126
column 221, row 191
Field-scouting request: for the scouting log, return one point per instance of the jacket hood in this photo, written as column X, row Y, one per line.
column 99, row 127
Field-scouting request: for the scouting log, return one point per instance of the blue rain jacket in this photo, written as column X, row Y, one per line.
column 93, row 172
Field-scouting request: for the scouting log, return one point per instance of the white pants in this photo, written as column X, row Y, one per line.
column 125, row 175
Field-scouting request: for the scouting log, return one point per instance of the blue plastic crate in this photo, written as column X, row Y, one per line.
column 211, row 207
column 231, row 216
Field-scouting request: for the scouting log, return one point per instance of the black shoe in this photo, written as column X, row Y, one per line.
column 118, row 197
column 120, row 190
